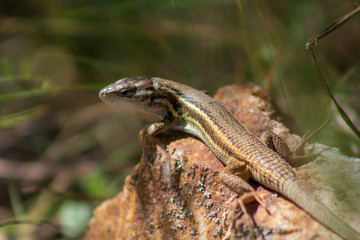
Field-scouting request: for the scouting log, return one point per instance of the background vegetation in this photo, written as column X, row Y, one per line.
column 62, row 151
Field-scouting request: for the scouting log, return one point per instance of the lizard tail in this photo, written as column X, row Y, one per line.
column 298, row 193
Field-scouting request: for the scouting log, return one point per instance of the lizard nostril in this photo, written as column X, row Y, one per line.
column 103, row 94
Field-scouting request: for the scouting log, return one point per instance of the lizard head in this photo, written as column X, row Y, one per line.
column 136, row 93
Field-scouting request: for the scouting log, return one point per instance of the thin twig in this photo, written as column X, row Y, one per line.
column 311, row 45
column 312, row 42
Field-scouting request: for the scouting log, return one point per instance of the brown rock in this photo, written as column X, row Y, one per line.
column 175, row 192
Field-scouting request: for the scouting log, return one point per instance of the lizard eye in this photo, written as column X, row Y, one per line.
column 124, row 91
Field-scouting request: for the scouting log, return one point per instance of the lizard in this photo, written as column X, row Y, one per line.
column 181, row 107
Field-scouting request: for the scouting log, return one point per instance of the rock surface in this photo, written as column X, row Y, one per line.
column 175, row 193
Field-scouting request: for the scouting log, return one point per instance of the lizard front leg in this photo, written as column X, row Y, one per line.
column 153, row 129
column 147, row 135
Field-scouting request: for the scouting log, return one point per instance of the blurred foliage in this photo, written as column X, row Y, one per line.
column 62, row 150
